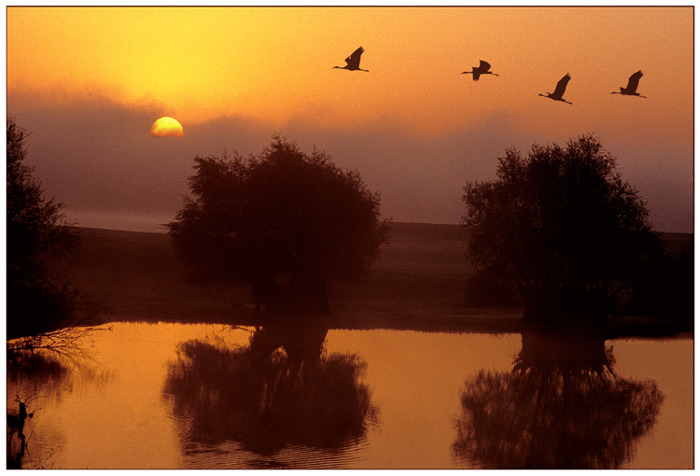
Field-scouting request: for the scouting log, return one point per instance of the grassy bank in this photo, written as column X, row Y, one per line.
column 418, row 283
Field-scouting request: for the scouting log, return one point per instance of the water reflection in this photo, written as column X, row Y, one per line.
column 281, row 390
column 561, row 406
column 32, row 377
column 38, row 372
column 110, row 411
column 16, row 439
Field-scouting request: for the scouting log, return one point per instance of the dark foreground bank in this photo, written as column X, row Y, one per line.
column 418, row 283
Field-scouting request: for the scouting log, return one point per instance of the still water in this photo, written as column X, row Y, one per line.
column 212, row 396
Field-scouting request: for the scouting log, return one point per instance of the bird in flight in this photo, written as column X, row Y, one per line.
column 559, row 90
column 483, row 68
column 632, row 83
column 353, row 61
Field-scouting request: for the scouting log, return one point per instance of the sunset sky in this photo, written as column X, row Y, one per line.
column 89, row 82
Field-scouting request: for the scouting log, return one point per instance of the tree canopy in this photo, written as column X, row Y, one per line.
column 36, row 227
column 562, row 226
column 283, row 222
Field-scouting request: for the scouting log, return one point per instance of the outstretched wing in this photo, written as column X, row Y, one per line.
column 353, row 60
column 634, row 81
column 484, row 66
column 561, row 86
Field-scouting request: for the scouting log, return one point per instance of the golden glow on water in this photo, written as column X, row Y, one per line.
column 672, row 368
column 116, row 411
column 113, row 415
column 418, row 399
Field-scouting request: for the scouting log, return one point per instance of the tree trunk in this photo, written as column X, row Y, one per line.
column 571, row 308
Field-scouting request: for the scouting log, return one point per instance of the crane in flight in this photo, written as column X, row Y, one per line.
column 477, row 71
column 558, row 93
column 632, row 83
column 353, row 61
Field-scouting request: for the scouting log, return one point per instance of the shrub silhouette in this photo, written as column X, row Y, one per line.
column 283, row 222
column 36, row 228
column 563, row 227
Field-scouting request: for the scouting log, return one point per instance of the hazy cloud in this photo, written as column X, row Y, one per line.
column 99, row 158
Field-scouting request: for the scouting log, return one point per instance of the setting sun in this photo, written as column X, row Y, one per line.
column 167, row 126
column 472, row 249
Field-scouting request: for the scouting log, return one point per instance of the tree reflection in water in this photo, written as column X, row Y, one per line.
column 281, row 390
column 561, row 406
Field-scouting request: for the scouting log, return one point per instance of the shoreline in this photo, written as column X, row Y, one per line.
column 618, row 327
column 418, row 283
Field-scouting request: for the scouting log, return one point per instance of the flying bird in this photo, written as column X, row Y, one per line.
column 632, row 83
column 483, row 68
column 559, row 90
column 353, row 61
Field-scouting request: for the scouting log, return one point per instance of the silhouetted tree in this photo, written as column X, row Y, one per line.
column 665, row 286
column 36, row 228
column 562, row 227
column 284, row 222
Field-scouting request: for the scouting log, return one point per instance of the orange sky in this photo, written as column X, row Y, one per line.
column 274, row 62
column 273, row 65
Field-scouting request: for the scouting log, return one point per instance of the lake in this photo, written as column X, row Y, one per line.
column 138, row 395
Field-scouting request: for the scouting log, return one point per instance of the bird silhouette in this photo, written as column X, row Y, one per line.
column 353, row 61
column 559, row 90
column 632, row 83
column 483, row 68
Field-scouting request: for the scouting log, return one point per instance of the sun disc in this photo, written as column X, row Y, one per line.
column 167, row 126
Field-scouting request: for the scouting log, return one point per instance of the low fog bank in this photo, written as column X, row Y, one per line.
column 99, row 159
